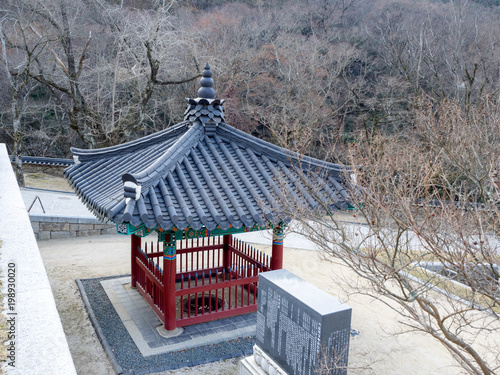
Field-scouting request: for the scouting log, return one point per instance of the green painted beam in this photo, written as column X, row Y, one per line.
column 142, row 231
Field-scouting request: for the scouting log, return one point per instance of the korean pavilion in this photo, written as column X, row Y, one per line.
column 195, row 184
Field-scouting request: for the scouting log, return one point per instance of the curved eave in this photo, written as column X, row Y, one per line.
column 150, row 175
column 127, row 147
column 218, row 179
column 99, row 210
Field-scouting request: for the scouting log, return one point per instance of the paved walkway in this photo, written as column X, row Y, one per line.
column 53, row 202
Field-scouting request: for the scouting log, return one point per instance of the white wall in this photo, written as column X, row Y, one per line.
column 40, row 344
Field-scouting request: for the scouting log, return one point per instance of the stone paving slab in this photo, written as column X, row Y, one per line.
column 54, row 203
column 142, row 323
column 127, row 330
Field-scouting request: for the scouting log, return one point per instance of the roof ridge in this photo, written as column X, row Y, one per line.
column 161, row 166
column 280, row 153
column 79, row 152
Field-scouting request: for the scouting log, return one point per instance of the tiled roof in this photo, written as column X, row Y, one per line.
column 36, row 160
column 199, row 173
column 188, row 178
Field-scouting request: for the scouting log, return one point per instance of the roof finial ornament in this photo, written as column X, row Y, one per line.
column 205, row 108
column 206, row 90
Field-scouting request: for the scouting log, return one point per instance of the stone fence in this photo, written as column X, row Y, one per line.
column 61, row 226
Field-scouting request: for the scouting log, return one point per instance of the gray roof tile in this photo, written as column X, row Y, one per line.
column 201, row 173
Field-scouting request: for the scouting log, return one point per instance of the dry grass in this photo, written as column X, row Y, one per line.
column 45, row 181
column 455, row 288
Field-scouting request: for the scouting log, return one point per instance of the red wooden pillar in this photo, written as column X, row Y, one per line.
column 277, row 254
column 169, row 269
column 135, row 243
column 226, row 252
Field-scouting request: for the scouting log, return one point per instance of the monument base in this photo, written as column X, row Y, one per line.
column 260, row 364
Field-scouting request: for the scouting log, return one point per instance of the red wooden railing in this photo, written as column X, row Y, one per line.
column 199, row 255
column 245, row 257
column 149, row 282
column 216, row 296
column 208, row 287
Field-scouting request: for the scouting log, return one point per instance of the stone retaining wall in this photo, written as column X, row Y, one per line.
column 59, row 226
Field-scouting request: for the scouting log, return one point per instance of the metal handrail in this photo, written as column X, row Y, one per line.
column 34, row 200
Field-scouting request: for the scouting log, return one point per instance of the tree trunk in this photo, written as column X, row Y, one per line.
column 18, row 142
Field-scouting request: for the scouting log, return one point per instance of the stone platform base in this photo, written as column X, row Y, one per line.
column 259, row 364
column 248, row 366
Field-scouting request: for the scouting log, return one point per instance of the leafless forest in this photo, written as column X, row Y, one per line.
column 94, row 73
column 404, row 91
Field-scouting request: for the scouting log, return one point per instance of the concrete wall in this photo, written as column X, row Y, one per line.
column 39, row 343
column 61, row 226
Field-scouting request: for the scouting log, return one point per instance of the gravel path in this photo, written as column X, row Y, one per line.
column 128, row 356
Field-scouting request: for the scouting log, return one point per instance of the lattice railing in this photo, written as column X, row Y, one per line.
column 211, row 283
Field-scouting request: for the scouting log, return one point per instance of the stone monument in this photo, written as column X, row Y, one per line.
column 301, row 330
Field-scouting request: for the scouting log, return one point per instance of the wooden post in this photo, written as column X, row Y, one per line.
column 277, row 257
column 226, row 255
column 169, row 269
column 135, row 243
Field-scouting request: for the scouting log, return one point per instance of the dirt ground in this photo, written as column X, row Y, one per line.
column 376, row 350
column 45, row 181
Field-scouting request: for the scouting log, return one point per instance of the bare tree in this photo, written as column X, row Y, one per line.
column 428, row 243
column 18, row 54
column 307, row 99
column 449, row 50
column 104, row 64
column 155, row 56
